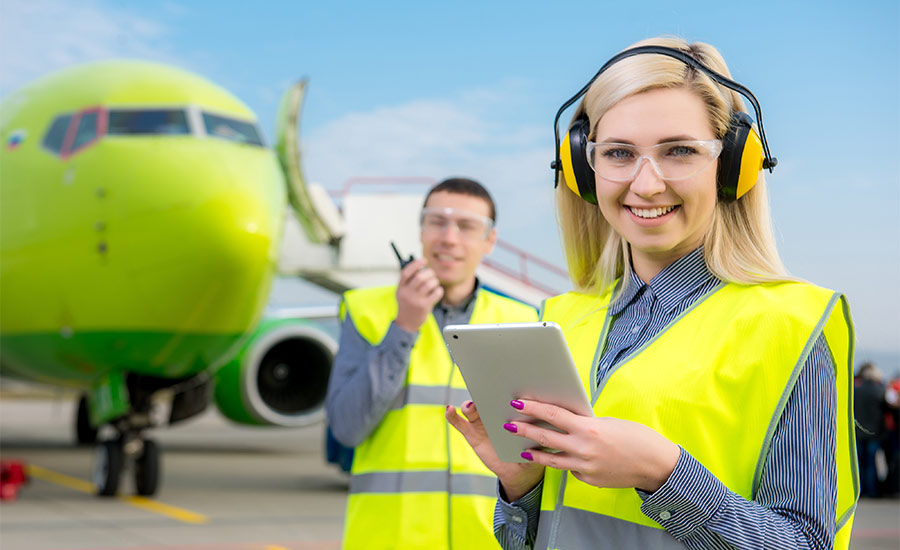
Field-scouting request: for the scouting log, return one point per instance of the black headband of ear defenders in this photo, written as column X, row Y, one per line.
column 769, row 161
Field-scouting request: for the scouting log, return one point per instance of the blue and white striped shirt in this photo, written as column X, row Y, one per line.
column 795, row 505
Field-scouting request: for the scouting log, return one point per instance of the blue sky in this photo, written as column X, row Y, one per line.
column 440, row 88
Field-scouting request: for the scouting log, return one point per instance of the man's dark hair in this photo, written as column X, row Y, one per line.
column 465, row 186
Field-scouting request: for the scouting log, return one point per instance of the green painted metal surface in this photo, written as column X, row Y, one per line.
column 108, row 399
column 80, row 360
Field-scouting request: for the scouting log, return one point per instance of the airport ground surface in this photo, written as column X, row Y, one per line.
column 224, row 488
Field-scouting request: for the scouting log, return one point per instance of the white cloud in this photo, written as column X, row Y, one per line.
column 468, row 135
column 420, row 136
column 40, row 36
column 471, row 132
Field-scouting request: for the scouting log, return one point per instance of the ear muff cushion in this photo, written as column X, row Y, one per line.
column 751, row 163
column 732, row 153
column 565, row 157
column 741, row 159
column 573, row 153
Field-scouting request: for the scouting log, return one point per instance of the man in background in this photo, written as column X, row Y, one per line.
column 415, row 483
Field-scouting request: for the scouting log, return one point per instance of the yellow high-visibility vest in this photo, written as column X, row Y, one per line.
column 715, row 381
column 415, row 482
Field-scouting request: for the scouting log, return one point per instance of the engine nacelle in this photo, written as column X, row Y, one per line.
column 280, row 376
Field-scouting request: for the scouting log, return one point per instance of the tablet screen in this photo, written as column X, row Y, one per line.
column 502, row 362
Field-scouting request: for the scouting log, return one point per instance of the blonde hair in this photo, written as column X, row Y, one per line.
column 739, row 245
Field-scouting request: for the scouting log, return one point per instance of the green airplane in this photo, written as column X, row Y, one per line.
column 140, row 219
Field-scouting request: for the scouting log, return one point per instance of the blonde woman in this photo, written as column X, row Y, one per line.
column 720, row 384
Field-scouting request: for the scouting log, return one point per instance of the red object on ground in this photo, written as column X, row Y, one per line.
column 12, row 476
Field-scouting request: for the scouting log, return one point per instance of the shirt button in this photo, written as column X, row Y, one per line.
column 664, row 515
column 517, row 519
column 635, row 330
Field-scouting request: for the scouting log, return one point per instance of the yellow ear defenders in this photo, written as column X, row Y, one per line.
column 744, row 151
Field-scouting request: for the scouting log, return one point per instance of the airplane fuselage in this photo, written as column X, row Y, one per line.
column 142, row 235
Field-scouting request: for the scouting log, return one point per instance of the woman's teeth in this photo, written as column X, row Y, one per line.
column 650, row 213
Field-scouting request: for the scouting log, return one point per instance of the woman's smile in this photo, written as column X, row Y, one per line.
column 652, row 213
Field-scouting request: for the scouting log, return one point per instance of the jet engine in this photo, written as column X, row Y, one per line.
column 279, row 377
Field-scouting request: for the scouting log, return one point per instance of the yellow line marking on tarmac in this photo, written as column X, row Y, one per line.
column 60, row 479
column 165, row 510
column 143, row 503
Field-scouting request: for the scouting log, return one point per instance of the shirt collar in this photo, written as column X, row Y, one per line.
column 672, row 285
column 634, row 287
column 681, row 279
column 466, row 305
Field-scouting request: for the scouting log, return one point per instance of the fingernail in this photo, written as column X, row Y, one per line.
column 467, row 404
column 527, row 456
column 510, row 427
column 516, row 404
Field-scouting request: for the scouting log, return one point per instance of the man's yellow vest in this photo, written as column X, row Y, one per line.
column 415, row 482
column 715, row 381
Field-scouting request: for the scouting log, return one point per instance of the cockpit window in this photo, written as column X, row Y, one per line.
column 56, row 135
column 148, row 121
column 231, row 129
column 70, row 133
column 87, row 130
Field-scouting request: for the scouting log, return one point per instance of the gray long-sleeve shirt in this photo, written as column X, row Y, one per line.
column 365, row 379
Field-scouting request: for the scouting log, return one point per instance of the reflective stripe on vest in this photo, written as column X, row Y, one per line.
column 415, row 482
column 424, row 482
column 577, row 526
column 689, row 385
column 429, row 395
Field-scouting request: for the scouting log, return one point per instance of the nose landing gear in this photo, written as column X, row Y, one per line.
column 108, row 462
column 130, row 450
column 146, row 469
column 85, row 434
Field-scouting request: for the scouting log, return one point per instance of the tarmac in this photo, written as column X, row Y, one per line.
column 224, row 487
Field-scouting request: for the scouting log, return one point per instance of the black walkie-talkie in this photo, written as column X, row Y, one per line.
column 400, row 258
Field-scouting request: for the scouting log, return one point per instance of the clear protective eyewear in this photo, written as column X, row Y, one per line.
column 672, row 160
column 469, row 226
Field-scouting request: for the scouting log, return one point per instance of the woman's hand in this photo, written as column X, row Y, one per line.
column 604, row 452
column 517, row 478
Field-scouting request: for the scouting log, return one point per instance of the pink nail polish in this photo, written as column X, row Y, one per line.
column 527, row 456
column 516, row 404
column 467, row 404
column 510, row 427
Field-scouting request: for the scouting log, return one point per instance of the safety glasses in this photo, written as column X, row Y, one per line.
column 674, row 160
column 469, row 226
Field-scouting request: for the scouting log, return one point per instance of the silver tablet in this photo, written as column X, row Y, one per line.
column 502, row 362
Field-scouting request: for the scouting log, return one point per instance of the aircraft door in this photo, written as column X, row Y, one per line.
column 316, row 213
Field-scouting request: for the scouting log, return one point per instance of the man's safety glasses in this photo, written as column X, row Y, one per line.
column 674, row 160
column 469, row 226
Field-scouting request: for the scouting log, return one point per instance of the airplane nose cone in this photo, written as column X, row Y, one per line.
column 208, row 242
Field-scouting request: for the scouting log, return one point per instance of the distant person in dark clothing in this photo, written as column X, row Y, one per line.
column 891, row 441
column 868, row 408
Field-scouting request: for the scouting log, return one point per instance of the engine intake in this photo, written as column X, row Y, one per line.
column 279, row 377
